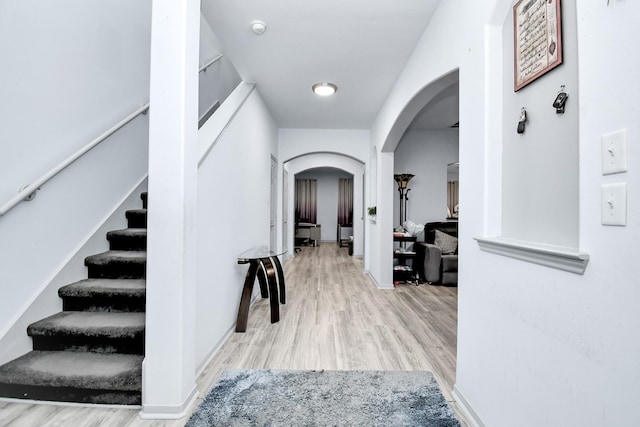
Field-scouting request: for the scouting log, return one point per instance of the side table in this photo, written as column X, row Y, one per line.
column 264, row 264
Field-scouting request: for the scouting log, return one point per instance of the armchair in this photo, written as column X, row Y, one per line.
column 437, row 257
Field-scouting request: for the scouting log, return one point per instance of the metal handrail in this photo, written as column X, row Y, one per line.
column 209, row 63
column 27, row 192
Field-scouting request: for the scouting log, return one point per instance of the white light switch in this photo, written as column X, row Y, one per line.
column 614, row 204
column 614, row 152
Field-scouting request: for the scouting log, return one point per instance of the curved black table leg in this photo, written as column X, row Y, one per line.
column 278, row 266
column 262, row 279
column 270, row 271
column 245, row 300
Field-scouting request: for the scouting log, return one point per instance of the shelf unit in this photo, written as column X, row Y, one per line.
column 403, row 272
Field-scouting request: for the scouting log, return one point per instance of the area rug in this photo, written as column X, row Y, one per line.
column 324, row 398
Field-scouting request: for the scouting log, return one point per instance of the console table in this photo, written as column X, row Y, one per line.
column 264, row 264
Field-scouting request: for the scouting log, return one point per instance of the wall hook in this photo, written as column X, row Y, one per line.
column 560, row 101
column 522, row 120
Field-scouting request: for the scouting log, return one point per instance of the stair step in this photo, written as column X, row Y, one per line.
column 136, row 218
column 74, row 377
column 117, row 265
column 114, row 295
column 85, row 331
column 144, row 198
column 129, row 239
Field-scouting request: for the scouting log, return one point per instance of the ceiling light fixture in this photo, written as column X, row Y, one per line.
column 258, row 27
column 324, row 89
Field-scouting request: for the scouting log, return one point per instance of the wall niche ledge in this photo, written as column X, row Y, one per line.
column 559, row 257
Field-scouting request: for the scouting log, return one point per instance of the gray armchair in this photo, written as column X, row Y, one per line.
column 437, row 257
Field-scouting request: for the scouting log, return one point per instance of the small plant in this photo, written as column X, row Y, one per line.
column 371, row 210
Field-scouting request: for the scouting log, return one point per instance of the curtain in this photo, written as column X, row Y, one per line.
column 345, row 201
column 306, row 200
column 452, row 199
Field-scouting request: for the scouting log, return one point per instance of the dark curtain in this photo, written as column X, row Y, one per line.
column 306, row 200
column 345, row 201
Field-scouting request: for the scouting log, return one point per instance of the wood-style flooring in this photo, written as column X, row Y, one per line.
column 335, row 319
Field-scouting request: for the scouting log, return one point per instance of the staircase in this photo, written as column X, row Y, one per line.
column 92, row 351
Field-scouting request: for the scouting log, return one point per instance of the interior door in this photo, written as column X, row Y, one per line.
column 285, row 209
column 273, row 238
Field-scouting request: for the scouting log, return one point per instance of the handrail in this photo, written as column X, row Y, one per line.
column 209, row 63
column 29, row 190
column 208, row 113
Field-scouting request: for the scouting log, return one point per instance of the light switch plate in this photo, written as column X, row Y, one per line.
column 614, row 204
column 614, row 152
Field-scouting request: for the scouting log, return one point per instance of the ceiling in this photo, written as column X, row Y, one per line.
column 441, row 112
column 360, row 45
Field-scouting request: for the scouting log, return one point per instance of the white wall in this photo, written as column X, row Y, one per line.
column 541, row 207
column 348, row 142
column 70, row 71
column 529, row 336
column 425, row 154
column 328, row 184
column 233, row 216
column 346, row 149
column 219, row 80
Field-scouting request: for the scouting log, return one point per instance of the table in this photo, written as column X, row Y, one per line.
column 264, row 264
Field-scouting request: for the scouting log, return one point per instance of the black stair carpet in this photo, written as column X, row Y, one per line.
column 92, row 351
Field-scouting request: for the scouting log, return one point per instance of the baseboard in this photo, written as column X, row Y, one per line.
column 217, row 347
column 466, row 408
column 150, row 412
column 378, row 285
column 70, row 404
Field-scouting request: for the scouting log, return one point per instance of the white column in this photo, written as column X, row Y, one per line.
column 381, row 233
column 169, row 367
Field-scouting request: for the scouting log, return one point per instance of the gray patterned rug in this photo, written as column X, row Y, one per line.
column 324, row 398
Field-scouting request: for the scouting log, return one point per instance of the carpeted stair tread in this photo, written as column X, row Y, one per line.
column 96, row 324
column 107, row 257
column 95, row 371
column 87, row 288
column 133, row 239
column 107, row 295
column 117, row 265
column 137, row 218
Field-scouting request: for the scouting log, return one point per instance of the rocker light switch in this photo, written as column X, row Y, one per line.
column 614, row 152
column 614, row 204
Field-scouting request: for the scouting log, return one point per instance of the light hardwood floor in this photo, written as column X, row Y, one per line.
column 335, row 319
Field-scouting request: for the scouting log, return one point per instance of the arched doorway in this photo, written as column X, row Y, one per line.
column 326, row 160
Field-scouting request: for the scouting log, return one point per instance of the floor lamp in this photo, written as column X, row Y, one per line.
column 402, row 180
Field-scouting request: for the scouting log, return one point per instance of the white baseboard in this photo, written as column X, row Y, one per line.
column 466, row 408
column 218, row 346
column 150, row 412
column 378, row 285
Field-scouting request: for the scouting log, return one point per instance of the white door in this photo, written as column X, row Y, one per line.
column 285, row 209
column 273, row 203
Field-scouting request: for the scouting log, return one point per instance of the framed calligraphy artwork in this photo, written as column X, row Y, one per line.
column 537, row 39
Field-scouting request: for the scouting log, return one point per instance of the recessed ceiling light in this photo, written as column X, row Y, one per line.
column 258, row 27
column 324, row 89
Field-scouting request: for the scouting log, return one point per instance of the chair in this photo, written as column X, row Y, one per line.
column 307, row 233
column 437, row 256
column 344, row 234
